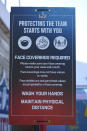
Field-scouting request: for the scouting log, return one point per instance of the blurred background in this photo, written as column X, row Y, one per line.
column 81, row 61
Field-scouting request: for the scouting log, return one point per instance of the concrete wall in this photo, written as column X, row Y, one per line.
column 4, row 52
column 4, row 15
column 4, row 40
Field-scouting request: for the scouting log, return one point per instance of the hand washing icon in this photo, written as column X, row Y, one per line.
column 42, row 42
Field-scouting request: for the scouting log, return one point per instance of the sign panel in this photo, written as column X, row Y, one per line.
column 42, row 66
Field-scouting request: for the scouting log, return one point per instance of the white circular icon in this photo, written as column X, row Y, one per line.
column 42, row 42
column 60, row 42
column 24, row 42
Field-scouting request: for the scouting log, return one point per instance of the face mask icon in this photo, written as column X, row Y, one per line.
column 24, row 42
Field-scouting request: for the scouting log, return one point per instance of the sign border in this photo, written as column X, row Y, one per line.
column 72, row 72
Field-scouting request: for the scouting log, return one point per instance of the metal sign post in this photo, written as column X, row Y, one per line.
column 42, row 127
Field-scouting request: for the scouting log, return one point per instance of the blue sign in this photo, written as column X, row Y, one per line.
column 4, row 96
column 81, row 114
column 81, row 106
column 81, row 122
